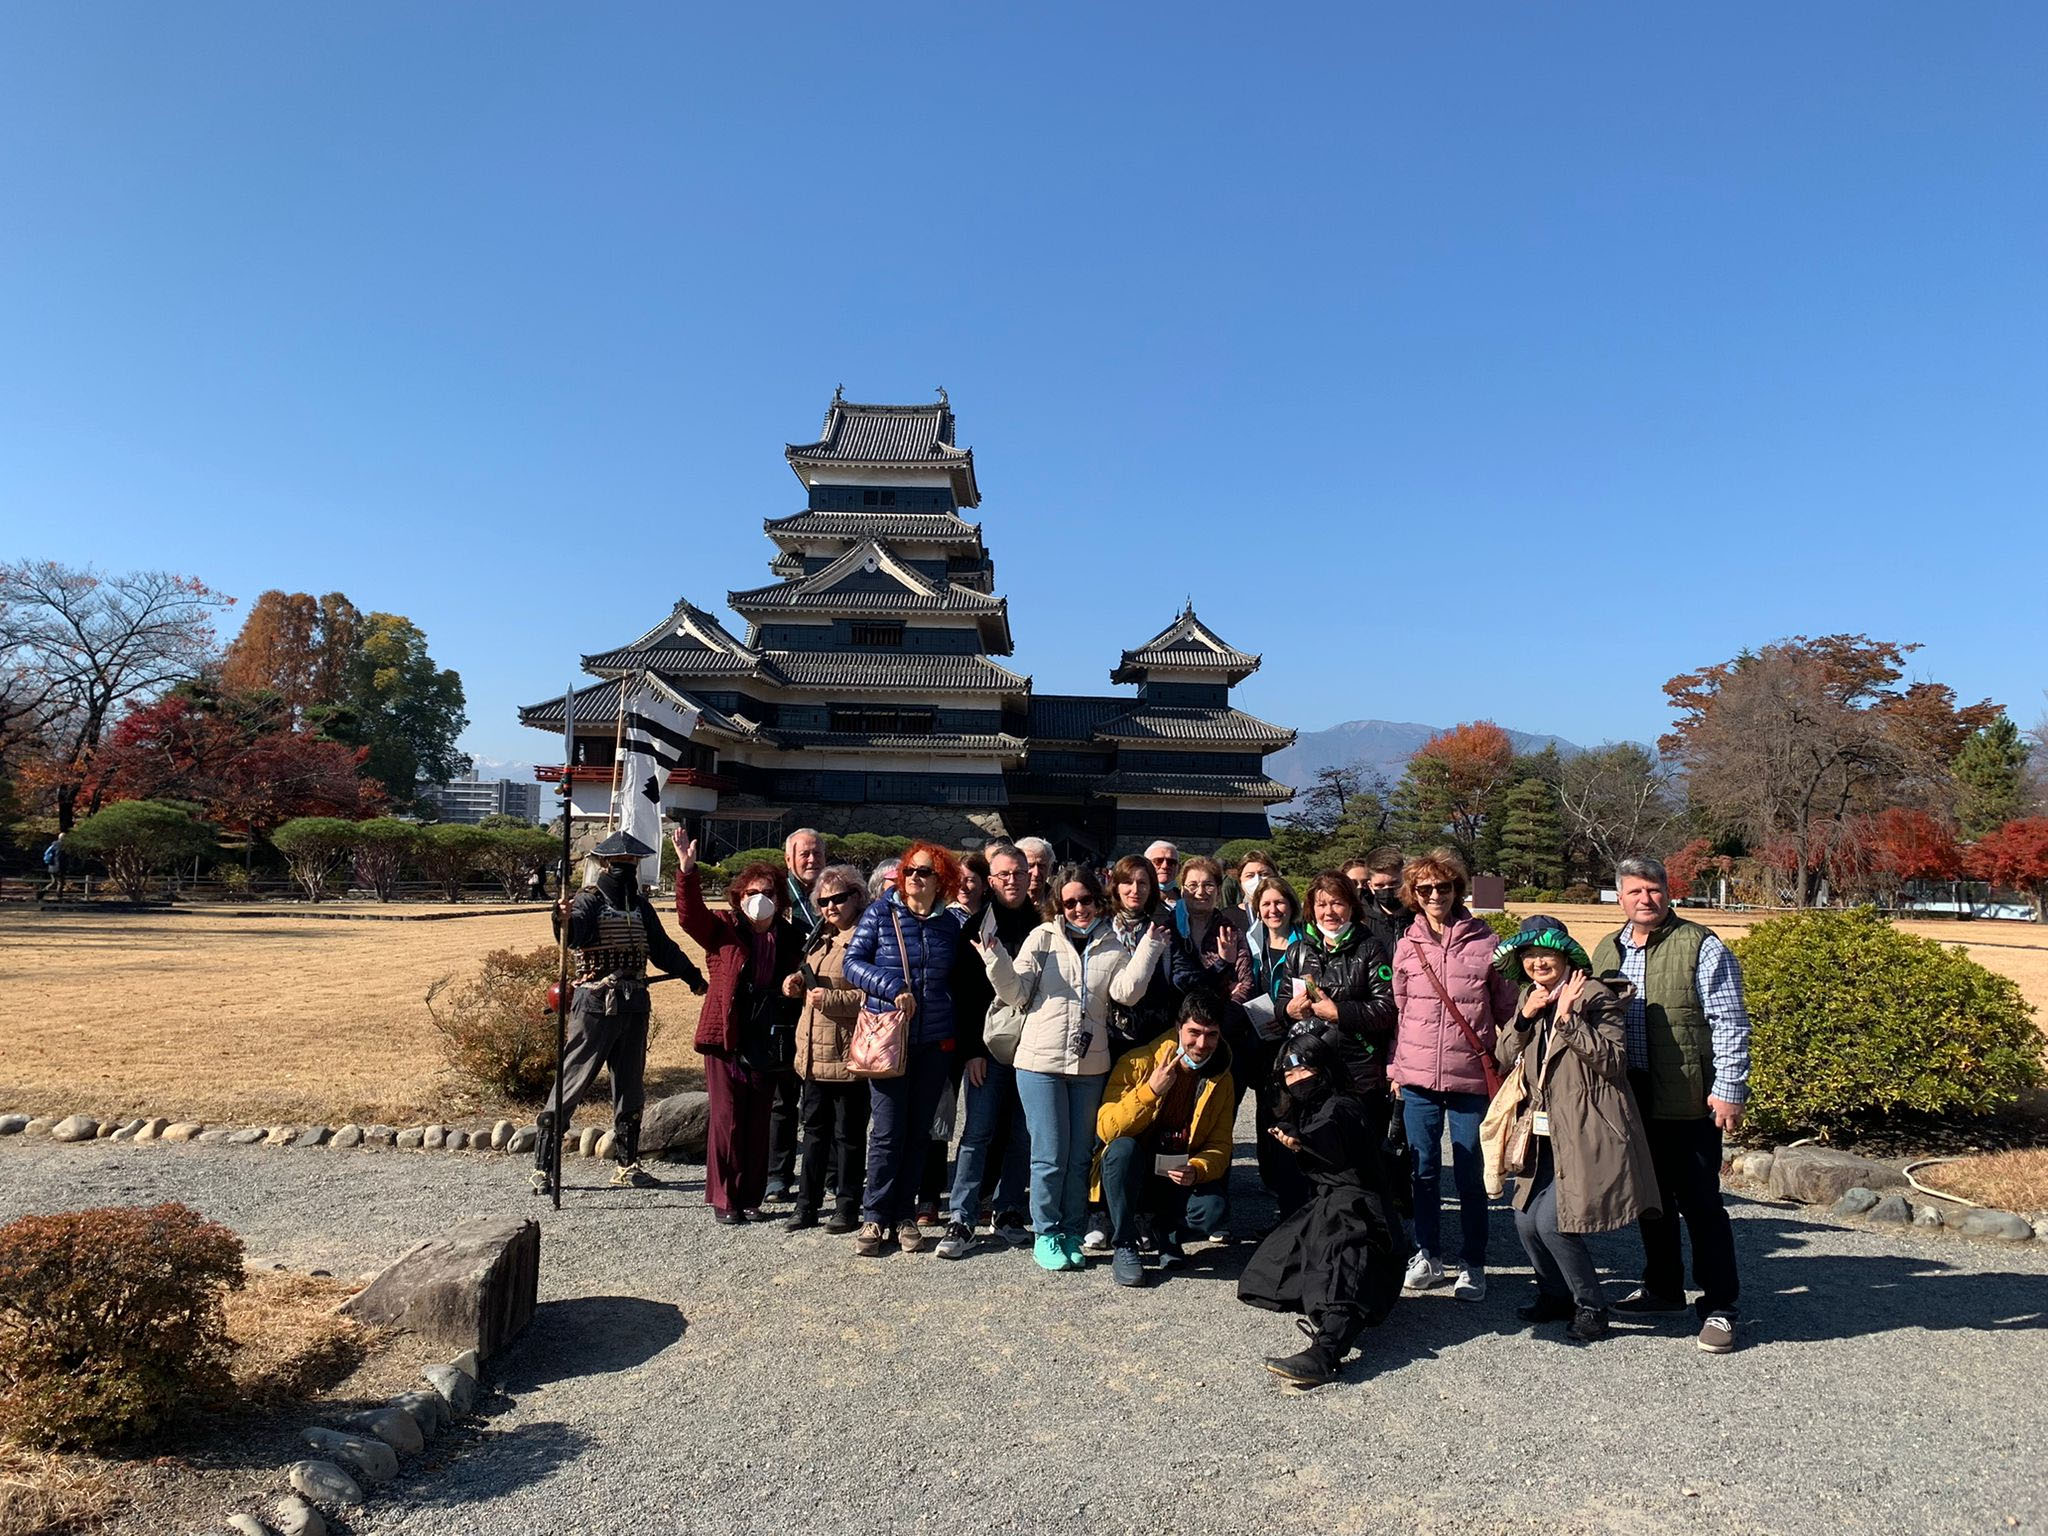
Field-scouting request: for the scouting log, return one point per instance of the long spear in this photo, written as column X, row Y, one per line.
column 568, row 794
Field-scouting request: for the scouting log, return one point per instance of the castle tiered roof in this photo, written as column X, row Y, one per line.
column 1185, row 645
column 888, row 437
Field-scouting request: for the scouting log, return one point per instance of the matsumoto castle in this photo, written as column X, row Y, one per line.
column 865, row 697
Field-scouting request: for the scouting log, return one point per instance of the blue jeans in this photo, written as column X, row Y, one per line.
column 899, row 1130
column 985, row 1102
column 1132, row 1191
column 1424, row 1114
column 1060, row 1111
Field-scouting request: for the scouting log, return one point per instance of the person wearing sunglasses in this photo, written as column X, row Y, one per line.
column 1063, row 979
column 901, row 956
column 1452, row 1004
column 832, row 1108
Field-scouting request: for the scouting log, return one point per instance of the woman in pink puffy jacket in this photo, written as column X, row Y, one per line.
column 1446, row 954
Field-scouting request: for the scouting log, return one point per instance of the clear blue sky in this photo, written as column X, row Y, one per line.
column 1480, row 361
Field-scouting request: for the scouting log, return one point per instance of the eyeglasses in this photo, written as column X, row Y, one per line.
column 836, row 899
column 1450, row 889
column 918, row 871
column 1071, row 903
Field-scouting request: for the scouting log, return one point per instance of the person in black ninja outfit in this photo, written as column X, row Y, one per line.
column 1337, row 1259
column 612, row 933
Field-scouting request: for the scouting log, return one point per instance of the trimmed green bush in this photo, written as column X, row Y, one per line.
column 110, row 1319
column 727, row 868
column 1503, row 924
column 448, row 852
column 867, row 849
column 382, row 846
column 1534, row 893
column 1580, row 893
column 315, row 848
column 139, row 839
column 1853, row 1020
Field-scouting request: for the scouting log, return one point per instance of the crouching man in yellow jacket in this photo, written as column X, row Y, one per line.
column 1165, row 1128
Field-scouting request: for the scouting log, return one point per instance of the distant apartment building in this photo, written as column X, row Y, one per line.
column 471, row 800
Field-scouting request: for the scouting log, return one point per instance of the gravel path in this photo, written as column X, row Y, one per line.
column 688, row 1377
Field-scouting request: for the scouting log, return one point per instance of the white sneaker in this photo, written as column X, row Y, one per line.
column 1471, row 1284
column 1095, row 1242
column 1425, row 1272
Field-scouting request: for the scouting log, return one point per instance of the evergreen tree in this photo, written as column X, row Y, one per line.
column 1991, row 779
column 1424, row 805
column 1531, row 835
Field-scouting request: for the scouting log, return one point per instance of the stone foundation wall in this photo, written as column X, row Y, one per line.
column 949, row 826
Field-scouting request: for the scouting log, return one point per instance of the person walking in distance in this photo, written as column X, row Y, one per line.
column 1688, row 1058
column 612, row 933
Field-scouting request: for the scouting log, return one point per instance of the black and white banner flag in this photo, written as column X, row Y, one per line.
column 653, row 743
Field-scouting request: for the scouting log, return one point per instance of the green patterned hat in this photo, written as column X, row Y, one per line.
column 1538, row 933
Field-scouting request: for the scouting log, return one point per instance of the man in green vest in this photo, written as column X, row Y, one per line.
column 1688, row 1057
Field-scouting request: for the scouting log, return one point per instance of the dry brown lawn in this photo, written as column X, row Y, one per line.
column 258, row 1020
column 2018, row 950
column 277, row 1020
column 2011, row 1181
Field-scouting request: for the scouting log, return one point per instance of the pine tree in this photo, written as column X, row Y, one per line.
column 1991, row 779
column 1532, row 835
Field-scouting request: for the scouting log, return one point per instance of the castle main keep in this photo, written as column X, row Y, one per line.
column 865, row 695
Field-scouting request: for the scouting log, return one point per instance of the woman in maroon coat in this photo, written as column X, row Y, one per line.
column 746, row 1032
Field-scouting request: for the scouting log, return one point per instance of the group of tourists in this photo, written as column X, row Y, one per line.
column 1091, row 1033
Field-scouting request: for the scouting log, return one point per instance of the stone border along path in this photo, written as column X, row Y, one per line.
column 366, row 1453
column 1851, row 1187
column 672, row 1126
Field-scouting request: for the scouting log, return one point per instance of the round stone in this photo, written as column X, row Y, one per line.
column 75, row 1128
column 501, row 1134
column 325, row 1483
column 348, row 1136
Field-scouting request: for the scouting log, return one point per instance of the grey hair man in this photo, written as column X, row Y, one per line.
column 1165, row 861
column 1038, row 857
column 803, row 855
column 1688, row 1058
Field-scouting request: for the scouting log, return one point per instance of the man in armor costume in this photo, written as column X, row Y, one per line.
column 612, row 933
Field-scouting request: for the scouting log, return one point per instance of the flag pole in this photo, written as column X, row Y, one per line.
column 568, row 794
column 611, row 820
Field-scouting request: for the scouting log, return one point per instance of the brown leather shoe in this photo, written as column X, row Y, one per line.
column 910, row 1237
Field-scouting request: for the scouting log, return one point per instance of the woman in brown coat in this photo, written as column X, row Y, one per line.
column 1589, row 1167
column 833, row 1103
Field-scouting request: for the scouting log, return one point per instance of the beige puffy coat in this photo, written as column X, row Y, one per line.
column 1064, row 993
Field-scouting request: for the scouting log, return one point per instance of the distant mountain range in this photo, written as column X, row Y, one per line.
column 502, row 768
column 1382, row 746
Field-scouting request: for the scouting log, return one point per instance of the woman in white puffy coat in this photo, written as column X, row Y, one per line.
column 1063, row 979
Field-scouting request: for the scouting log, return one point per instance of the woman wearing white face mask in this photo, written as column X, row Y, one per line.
column 1252, row 870
column 746, row 1032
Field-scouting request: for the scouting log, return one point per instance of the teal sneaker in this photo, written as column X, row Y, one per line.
column 1076, row 1259
column 1050, row 1252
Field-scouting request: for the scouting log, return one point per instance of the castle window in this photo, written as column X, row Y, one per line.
column 887, row 637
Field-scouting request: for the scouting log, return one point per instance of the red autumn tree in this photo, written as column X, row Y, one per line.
column 1684, row 866
column 1451, row 781
column 237, row 755
column 1791, row 744
column 1878, row 856
column 2016, row 856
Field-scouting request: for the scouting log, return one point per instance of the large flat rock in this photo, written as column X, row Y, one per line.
column 1823, row 1175
column 676, row 1126
column 473, row 1287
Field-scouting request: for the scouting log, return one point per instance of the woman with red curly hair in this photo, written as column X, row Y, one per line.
column 902, row 956
column 746, row 1031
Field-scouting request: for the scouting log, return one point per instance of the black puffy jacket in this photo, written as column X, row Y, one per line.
column 1357, row 974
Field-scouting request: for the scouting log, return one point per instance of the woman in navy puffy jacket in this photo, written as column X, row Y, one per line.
column 901, row 956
